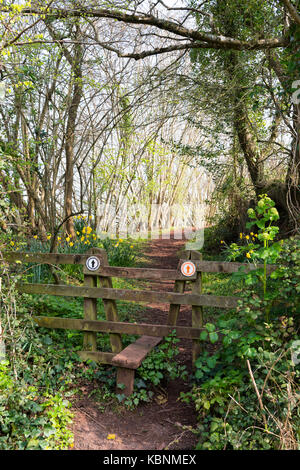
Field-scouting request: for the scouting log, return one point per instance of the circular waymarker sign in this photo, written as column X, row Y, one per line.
column 92, row 263
column 188, row 268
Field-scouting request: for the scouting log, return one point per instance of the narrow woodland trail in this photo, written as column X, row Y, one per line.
column 157, row 425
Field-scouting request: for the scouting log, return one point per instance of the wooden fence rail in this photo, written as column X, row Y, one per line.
column 130, row 295
column 98, row 284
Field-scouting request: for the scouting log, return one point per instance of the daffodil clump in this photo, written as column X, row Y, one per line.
column 121, row 252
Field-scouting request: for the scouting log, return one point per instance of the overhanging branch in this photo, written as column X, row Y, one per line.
column 215, row 41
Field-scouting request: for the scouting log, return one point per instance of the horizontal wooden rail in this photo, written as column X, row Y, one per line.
column 227, row 266
column 133, row 356
column 130, row 295
column 142, row 273
column 117, row 327
column 134, row 273
column 45, row 258
column 97, row 356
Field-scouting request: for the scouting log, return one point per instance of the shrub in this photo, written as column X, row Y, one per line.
column 246, row 391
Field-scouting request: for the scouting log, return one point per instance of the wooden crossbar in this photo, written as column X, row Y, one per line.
column 117, row 327
column 228, row 267
column 133, row 355
column 134, row 273
column 131, row 295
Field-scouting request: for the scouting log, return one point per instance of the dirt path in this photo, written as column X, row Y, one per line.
column 157, row 425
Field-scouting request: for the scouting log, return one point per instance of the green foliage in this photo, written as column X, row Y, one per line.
column 34, row 381
column 245, row 391
column 160, row 363
column 158, row 366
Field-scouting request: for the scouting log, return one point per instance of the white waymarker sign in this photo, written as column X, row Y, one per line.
column 92, row 263
column 188, row 268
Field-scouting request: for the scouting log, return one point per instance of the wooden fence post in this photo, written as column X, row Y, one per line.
column 90, row 313
column 197, row 311
column 124, row 376
column 179, row 287
column 110, row 306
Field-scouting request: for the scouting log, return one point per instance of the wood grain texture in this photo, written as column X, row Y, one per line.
column 140, row 273
column 132, row 356
column 131, row 295
column 46, row 258
column 179, row 288
column 125, row 377
column 197, row 311
column 97, row 356
column 118, row 327
column 227, row 267
column 90, row 313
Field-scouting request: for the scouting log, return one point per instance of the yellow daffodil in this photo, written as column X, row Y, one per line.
column 252, row 234
column 48, row 237
column 83, row 230
column 120, row 240
column 71, row 244
column 241, row 235
column 222, row 241
column 78, row 233
column 111, row 436
column 12, row 243
column 247, row 237
column 131, row 246
column 116, row 245
column 58, row 238
column 35, row 236
column 248, row 255
column 89, row 229
column 82, row 239
column 67, row 239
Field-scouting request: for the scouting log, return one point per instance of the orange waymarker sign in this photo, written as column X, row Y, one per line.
column 188, row 268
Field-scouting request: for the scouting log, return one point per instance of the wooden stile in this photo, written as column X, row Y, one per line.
column 98, row 284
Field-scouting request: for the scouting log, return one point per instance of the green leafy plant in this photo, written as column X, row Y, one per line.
column 245, row 391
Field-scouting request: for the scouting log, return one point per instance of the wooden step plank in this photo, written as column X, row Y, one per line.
column 132, row 356
column 131, row 295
